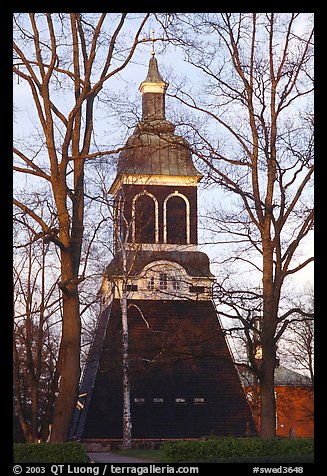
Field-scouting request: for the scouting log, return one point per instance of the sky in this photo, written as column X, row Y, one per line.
column 125, row 85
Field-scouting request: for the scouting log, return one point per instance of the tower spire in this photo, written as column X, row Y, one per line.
column 154, row 77
column 153, row 90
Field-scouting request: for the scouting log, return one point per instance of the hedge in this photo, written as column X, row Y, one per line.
column 219, row 448
column 50, row 453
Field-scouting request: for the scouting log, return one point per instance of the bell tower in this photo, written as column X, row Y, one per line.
column 183, row 380
column 155, row 197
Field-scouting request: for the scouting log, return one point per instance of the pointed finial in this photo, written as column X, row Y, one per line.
column 153, row 81
column 153, row 40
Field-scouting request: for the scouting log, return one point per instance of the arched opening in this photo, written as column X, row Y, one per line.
column 176, row 220
column 145, row 219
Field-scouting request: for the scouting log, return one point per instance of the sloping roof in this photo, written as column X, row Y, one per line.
column 195, row 263
column 179, row 351
column 283, row 377
column 153, row 75
column 153, row 152
column 89, row 375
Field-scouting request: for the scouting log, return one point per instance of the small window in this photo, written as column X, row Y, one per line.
column 139, row 400
column 196, row 289
column 158, row 400
column 131, row 287
column 163, row 281
column 180, row 400
column 151, row 284
column 176, row 284
column 199, row 401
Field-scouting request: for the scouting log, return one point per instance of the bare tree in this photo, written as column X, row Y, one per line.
column 37, row 322
column 257, row 145
column 296, row 346
column 122, row 229
column 74, row 54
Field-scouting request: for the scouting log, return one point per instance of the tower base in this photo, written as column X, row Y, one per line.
column 183, row 381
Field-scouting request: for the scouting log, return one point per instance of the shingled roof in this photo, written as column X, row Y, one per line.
column 181, row 352
column 89, row 375
column 195, row 263
column 283, row 377
column 154, row 149
column 153, row 75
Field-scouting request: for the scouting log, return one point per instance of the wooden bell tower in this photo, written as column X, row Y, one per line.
column 183, row 380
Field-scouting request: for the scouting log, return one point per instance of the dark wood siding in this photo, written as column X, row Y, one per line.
column 183, row 354
column 153, row 106
column 161, row 192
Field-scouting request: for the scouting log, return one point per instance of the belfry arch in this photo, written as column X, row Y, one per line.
column 145, row 218
column 176, row 214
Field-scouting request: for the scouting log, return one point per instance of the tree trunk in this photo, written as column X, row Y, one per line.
column 70, row 369
column 34, row 411
column 267, row 393
column 256, row 401
column 17, row 387
column 127, row 422
column 269, row 323
column 48, row 415
column 69, row 354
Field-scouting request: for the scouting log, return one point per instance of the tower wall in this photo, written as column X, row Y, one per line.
column 183, row 381
column 161, row 194
column 182, row 377
column 153, row 106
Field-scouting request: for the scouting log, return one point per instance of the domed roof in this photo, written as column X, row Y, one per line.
column 154, row 148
